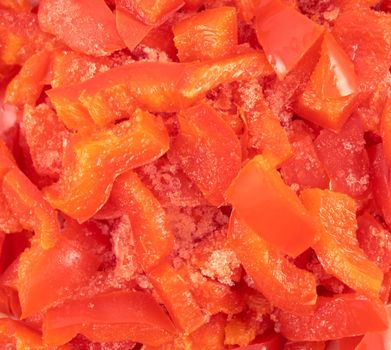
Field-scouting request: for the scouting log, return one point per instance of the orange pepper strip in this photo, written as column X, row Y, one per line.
column 261, row 198
column 283, row 284
column 154, row 86
column 207, row 35
column 343, row 315
column 177, row 298
column 331, row 94
column 337, row 248
column 30, row 208
column 153, row 238
column 285, row 34
column 91, row 163
column 109, row 317
column 28, row 84
column 210, row 159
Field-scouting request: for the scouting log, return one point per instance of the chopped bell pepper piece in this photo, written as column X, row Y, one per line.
column 140, row 319
column 153, row 238
column 285, row 34
column 343, row 315
column 211, row 160
column 206, row 35
column 177, row 298
column 283, row 284
column 260, row 197
column 331, row 94
column 91, row 163
column 85, row 26
column 337, row 247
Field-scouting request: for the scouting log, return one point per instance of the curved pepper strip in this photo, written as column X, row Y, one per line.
column 282, row 283
column 210, row 160
column 76, row 255
column 17, row 335
column 154, row 86
column 177, row 298
column 261, row 198
column 331, row 94
column 85, row 26
column 343, row 315
column 209, row 34
column 98, row 318
column 27, row 204
column 27, row 85
column 337, row 247
column 152, row 12
column 285, row 35
column 91, row 163
column 153, row 238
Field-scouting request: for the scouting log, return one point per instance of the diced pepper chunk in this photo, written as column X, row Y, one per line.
column 27, row 86
column 46, row 137
column 177, row 298
column 141, row 319
column 348, row 169
column 331, row 94
column 304, row 169
column 85, row 26
column 211, row 160
column 344, row 315
column 260, row 197
column 130, row 28
column 151, row 11
column 206, row 35
column 283, row 284
column 27, row 204
column 76, row 255
column 153, row 238
column 285, row 34
column 337, row 247
column 91, row 163
column 154, row 86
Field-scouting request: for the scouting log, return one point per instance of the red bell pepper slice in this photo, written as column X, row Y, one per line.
column 177, row 298
column 153, row 238
column 211, row 160
column 109, row 317
column 337, row 247
column 348, row 169
column 343, row 315
column 209, row 34
column 331, row 94
column 265, row 133
column 46, row 137
column 130, row 28
column 76, row 255
column 28, row 84
column 282, row 283
column 260, row 197
column 91, row 163
column 27, row 204
column 85, row 26
column 375, row 240
column 152, row 12
column 155, row 86
column 285, row 34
